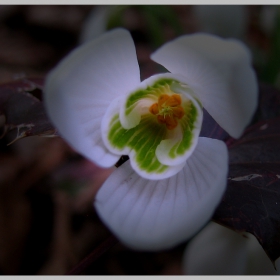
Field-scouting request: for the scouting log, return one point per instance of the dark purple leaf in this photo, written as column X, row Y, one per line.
column 23, row 111
column 211, row 129
column 251, row 202
column 269, row 107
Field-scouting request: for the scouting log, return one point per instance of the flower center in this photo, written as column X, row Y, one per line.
column 168, row 110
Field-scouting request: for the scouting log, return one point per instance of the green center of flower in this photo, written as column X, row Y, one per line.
column 168, row 110
column 157, row 126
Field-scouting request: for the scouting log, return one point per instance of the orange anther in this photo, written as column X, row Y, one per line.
column 168, row 110
column 178, row 112
column 163, row 98
column 154, row 109
column 174, row 100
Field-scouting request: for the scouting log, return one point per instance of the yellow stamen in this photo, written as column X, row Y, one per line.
column 168, row 110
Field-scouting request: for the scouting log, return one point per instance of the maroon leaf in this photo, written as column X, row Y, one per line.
column 23, row 111
column 269, row 107
column 211, row 129
column 251, row 202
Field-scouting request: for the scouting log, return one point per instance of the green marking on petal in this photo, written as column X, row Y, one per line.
column 187, row 124
column 142, row 139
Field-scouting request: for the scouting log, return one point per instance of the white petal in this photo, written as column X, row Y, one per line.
column 79, row 90
column 217, row 19
column 154, row 215
column 217, row 250
column 220, row 73
column 96, row 22
column 112, row 110
column 258, row 262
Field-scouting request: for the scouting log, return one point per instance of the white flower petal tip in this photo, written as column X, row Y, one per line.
column 156, row 215
column 157, row 125
column 96, row 22
column 79, row 90
column 217, row 250
column 217, row 19
column 219, row 72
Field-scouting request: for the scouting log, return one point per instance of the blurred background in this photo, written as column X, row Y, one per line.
column 47, row 221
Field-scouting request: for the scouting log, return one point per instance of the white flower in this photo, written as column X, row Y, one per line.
column 268, row 18
column 217, row 250
column 174, row 179
column 229, row 21
column 96, row 22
